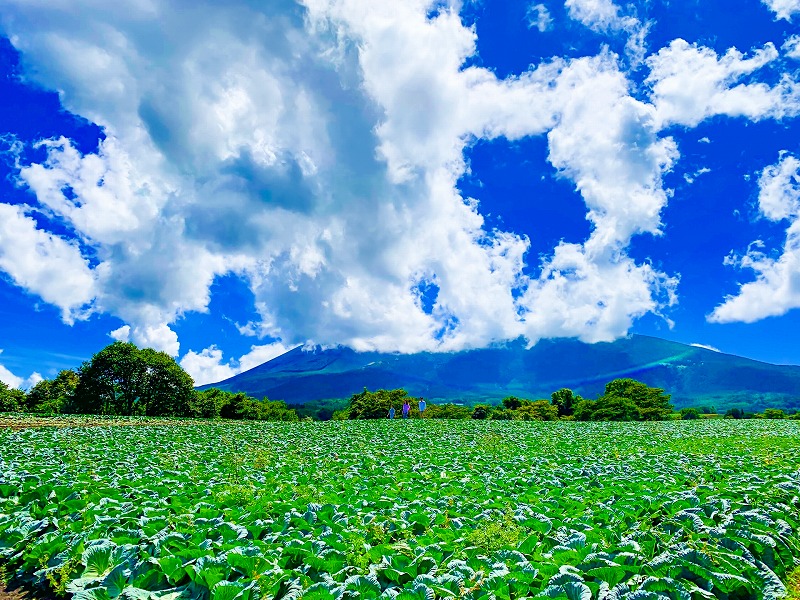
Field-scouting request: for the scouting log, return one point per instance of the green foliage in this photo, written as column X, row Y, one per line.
column 651, row 403
column 446, row 411
column 538, row 410
column 565, row 400
column 689, row 414
column 774, row 413
column 215, row 403
column 376, row 405
column 584, row 410
column 121, row 379
column 11, row 400
column 512, row 402
column 53, row 396
column 481, row 411
column 626, row 400
column 615, row 408
column 425, row 509
column 497, row 534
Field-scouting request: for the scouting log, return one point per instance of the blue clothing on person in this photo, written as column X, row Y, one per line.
column 421, row 404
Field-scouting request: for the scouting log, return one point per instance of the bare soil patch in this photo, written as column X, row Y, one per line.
column 17, row 422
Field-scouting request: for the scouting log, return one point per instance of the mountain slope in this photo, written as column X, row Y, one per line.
column 693, row 375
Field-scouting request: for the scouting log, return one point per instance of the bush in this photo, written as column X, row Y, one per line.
column 481, row 411
column 446, row 411
column 689, row 414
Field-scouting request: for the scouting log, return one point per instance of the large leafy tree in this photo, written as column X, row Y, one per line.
column 53, row 395
column 651, row 403
column 121, row 379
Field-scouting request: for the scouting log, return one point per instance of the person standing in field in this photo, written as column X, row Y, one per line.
column 391, row 412
column 421, row 406
column 406, row 408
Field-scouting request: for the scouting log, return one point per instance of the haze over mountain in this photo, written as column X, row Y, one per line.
column 693, row 375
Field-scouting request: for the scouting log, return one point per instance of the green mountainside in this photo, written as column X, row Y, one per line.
column 694, row 376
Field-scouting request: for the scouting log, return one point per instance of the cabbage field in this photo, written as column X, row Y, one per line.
column 405, row 510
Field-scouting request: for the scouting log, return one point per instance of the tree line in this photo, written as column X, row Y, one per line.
column 623, row 400
column 124, row 380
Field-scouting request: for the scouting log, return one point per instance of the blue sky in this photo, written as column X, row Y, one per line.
column 223, row 181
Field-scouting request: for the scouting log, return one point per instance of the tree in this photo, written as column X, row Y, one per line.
column 376, row 405
column 53, row 395
column 512, row 402
column 584, row 410
column 481, row 411
column 734, row 413
column 774, row 413
column 207, row 404
column 615, row 408
column 538, row 410
column 689, row 414
column 11, row 400
column 121, row 379
column 565, row 400
column 652, row 403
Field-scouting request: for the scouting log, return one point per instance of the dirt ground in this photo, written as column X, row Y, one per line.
column 11, row 593
column 17, row 422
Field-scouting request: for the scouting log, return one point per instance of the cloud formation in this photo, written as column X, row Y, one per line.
column 208, row 366
column 776, row 288
column 783, row 9
column 689, row 83
column 315, row 149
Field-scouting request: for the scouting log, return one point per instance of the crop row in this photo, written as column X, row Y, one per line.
column 404, row 510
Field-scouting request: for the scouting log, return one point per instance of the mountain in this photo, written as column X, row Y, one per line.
column 694, row 376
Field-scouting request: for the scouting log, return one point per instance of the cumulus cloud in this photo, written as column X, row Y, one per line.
column 314, row 150
column 207, row 366
column 690, row 83
column 776, row 288
column 45, row 264
column 783, row 9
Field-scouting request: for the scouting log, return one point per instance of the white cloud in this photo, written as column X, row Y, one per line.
column 603, row 16
column 705, row 347
column 207, row 366
column 315, row 152
column 691, row 178
column 690, row 83
column 599, row 15
column 45, row 264
column 791, row 47
column 776, row 288
column 783, row 9
column 539, row 17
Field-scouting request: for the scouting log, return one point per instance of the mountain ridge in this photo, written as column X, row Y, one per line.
column 692, row 374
